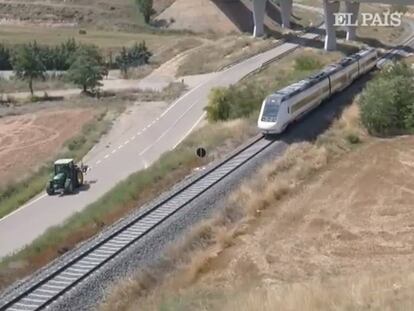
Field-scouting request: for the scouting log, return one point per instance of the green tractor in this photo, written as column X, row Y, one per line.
column 67, row 177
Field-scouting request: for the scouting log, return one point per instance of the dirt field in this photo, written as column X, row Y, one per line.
column 357, row 216
column 27, row 141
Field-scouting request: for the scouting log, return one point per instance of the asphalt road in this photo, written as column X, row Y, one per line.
column 135, row 149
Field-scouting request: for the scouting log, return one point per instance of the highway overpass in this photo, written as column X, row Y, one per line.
column 330, row 8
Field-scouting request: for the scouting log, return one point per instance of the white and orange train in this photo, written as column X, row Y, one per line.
column 292, row 102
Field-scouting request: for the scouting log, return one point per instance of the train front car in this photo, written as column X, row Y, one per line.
column 272, row 117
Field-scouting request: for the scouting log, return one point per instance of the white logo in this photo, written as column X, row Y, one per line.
column 386, row 19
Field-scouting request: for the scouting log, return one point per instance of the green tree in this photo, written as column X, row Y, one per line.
column 218, row 108
column 86, row 70
column 387, row 103
column 145, row 7
column 135, row 56
column 27, row 64
column 123, row 62
column 234, row 102
column 5, row 59
column 139, row 54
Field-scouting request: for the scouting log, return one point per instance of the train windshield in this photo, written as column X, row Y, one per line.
column 271, row 109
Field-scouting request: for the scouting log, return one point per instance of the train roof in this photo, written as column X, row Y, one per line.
column 302, row 85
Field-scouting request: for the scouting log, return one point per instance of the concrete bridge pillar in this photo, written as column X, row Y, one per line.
column 286, row 12
column 330, row 7
column 259, row 7
column 352, row 8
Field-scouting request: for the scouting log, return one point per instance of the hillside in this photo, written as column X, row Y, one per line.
column 120, row 14
column 329, row 224
column 182, row 14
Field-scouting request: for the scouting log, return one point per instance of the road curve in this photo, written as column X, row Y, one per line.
column 137, row 148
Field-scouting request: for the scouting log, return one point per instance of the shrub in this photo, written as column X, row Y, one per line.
column 218, row 107
column 145, row 7
column 306, row 62
column 353, row 138
column 234, row 102
column 387, row 103
column 5, row 59
column 135, row 56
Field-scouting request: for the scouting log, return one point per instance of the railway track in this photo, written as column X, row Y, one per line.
column 61, row 279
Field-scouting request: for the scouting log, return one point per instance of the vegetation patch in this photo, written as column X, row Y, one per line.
column 221, row 53
column 387, row 104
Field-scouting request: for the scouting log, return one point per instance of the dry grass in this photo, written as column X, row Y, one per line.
column 220, row 53
column 195, row 254
column 361, row 292
column 16, row 85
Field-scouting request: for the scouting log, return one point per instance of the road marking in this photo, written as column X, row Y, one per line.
column 98, row 162
column 23, row 207
column 133, row 137
column 182, row 97
column 106, row 157
column 168, row 129
column 126, row 142
column 139, row 133
column 191, row 129
column 120, row 147
column 113, row 151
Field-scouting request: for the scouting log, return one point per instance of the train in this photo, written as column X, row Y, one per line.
column 294, row 101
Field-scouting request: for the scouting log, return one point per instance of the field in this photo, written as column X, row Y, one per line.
column 216, row 54
column 28, row 140
column 97, row 14
column 106, row 39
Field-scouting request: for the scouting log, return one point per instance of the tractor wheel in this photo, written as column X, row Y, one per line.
column 80, row 178
column 68, row 186
column 49, row 189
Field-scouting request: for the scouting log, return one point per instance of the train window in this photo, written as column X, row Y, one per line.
column 271, row 108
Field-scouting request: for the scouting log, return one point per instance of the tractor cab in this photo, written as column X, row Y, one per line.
column 66, row 178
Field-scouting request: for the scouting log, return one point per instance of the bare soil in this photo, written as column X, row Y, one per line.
column 182, row 14
column 357, row 216
column 28, row 140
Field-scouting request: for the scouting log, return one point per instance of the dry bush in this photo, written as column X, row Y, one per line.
column 366, row 292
